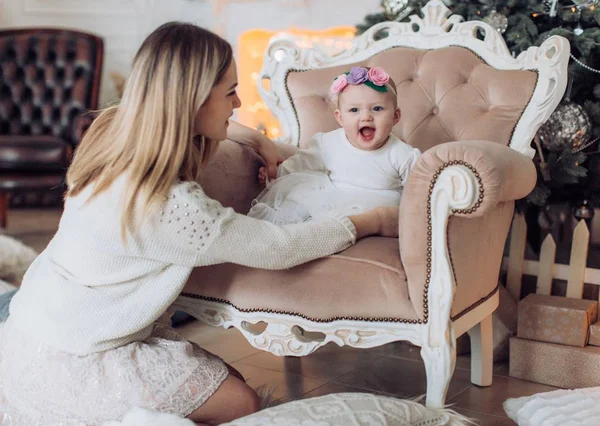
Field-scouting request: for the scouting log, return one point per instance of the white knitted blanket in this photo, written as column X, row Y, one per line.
column 579, row 407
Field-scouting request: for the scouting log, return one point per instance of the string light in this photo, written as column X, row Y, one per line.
column 251, row 45
column 581, row 64
column 591, row 5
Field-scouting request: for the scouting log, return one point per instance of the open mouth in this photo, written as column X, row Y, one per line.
column 367, row 133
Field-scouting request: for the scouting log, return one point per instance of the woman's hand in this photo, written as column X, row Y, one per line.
column 260, row 143
column 270, row 154
column 379, row 221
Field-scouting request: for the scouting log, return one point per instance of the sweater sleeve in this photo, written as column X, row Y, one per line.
column 305, row 159
column 196, row 230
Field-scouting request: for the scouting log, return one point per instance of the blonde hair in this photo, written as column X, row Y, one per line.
column 150, row 134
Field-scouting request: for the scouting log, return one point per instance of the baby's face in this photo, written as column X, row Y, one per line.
column 367, row 116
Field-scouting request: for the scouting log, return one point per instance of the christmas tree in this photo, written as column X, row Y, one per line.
column 568, row 169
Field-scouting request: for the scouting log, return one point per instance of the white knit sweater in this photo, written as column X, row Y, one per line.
column 88, row 292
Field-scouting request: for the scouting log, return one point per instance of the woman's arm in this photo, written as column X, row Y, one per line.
column 195, row 230
column 244, row 135
column 260, row 143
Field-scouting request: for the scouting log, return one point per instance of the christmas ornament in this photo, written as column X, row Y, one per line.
column 581, row 4
column 396, row 10
column 550, row 7
column 583, row 211
column 569, row 125
column 497, row 20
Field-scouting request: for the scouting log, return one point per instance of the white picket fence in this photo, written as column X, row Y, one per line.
column 576, row 273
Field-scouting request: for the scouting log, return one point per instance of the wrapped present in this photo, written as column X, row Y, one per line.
column 556, row 319
column 595, row 334
column 553, row 364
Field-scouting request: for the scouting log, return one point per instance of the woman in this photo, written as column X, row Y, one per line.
column 81, row 344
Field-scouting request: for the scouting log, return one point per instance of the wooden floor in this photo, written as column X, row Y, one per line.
column 394, row 369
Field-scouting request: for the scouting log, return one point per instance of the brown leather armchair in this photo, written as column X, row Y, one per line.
column 48, row 78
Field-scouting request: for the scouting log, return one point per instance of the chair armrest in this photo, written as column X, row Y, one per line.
column 80, row 125
column 454, row 217
column 33, row 154
column 232, row 175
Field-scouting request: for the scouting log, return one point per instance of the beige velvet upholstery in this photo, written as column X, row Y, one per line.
column 444, row 95
column 327, row 289
column 232, row 175
column 475, row 241
column 473, row 110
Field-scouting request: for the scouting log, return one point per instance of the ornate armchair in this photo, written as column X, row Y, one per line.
column 473, row 110
column 48, row 78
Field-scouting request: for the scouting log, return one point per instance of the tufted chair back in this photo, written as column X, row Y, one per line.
column 48, row 77
column 446, row 94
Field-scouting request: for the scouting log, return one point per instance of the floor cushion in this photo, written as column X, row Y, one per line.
column 578, row 407
column 358, row 409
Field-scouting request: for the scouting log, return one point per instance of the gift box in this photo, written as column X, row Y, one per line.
column 553, row 364
column 595, row 334
column 556, row 319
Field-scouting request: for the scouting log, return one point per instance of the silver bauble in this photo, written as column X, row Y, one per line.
column 569, row 125
column 583, row 211
column 395, row 10
column 497, row 21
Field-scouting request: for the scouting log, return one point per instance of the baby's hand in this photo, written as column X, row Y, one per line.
column 262, row 176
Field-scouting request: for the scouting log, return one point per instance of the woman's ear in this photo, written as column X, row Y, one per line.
column 397, row 115
column 338, row 117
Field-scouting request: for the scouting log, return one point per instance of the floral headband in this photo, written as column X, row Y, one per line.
column 376, row 78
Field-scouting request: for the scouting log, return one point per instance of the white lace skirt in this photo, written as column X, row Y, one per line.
column 42, row 385
column 301, row 196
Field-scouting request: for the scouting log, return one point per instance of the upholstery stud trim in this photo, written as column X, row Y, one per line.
column 319, row 320
column 436, row 175
column 476, row 304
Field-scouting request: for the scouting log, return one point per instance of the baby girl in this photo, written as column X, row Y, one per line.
column 349, row 170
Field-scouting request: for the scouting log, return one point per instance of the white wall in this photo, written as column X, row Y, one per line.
column 124, row 23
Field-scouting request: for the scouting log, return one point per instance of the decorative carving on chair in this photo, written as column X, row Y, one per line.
column 435, row 29
column 301, row 338
column 455, row 189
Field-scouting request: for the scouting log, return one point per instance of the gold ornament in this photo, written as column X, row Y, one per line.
column 497, row 21
column 396, row 10
column 569, row 125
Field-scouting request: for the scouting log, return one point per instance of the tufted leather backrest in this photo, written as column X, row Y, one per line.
column 446, row 94
column 48, row 77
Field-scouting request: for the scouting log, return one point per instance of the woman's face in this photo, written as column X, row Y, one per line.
column 213, row 117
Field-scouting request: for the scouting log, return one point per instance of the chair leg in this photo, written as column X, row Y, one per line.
column 482, row 353
column 439, row 366
column 3, row 209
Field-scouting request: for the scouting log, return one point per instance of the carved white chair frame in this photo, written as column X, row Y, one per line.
column 457, row 188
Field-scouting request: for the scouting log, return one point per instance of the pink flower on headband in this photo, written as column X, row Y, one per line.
column 378, row 76
column 339, row 83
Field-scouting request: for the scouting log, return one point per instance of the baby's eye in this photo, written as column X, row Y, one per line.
column 378, row 108
column 353, row 110
column 232, row 93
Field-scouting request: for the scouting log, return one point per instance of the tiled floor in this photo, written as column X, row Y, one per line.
column 395, row 369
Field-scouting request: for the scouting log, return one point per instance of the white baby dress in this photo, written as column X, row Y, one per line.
column 332, row 175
